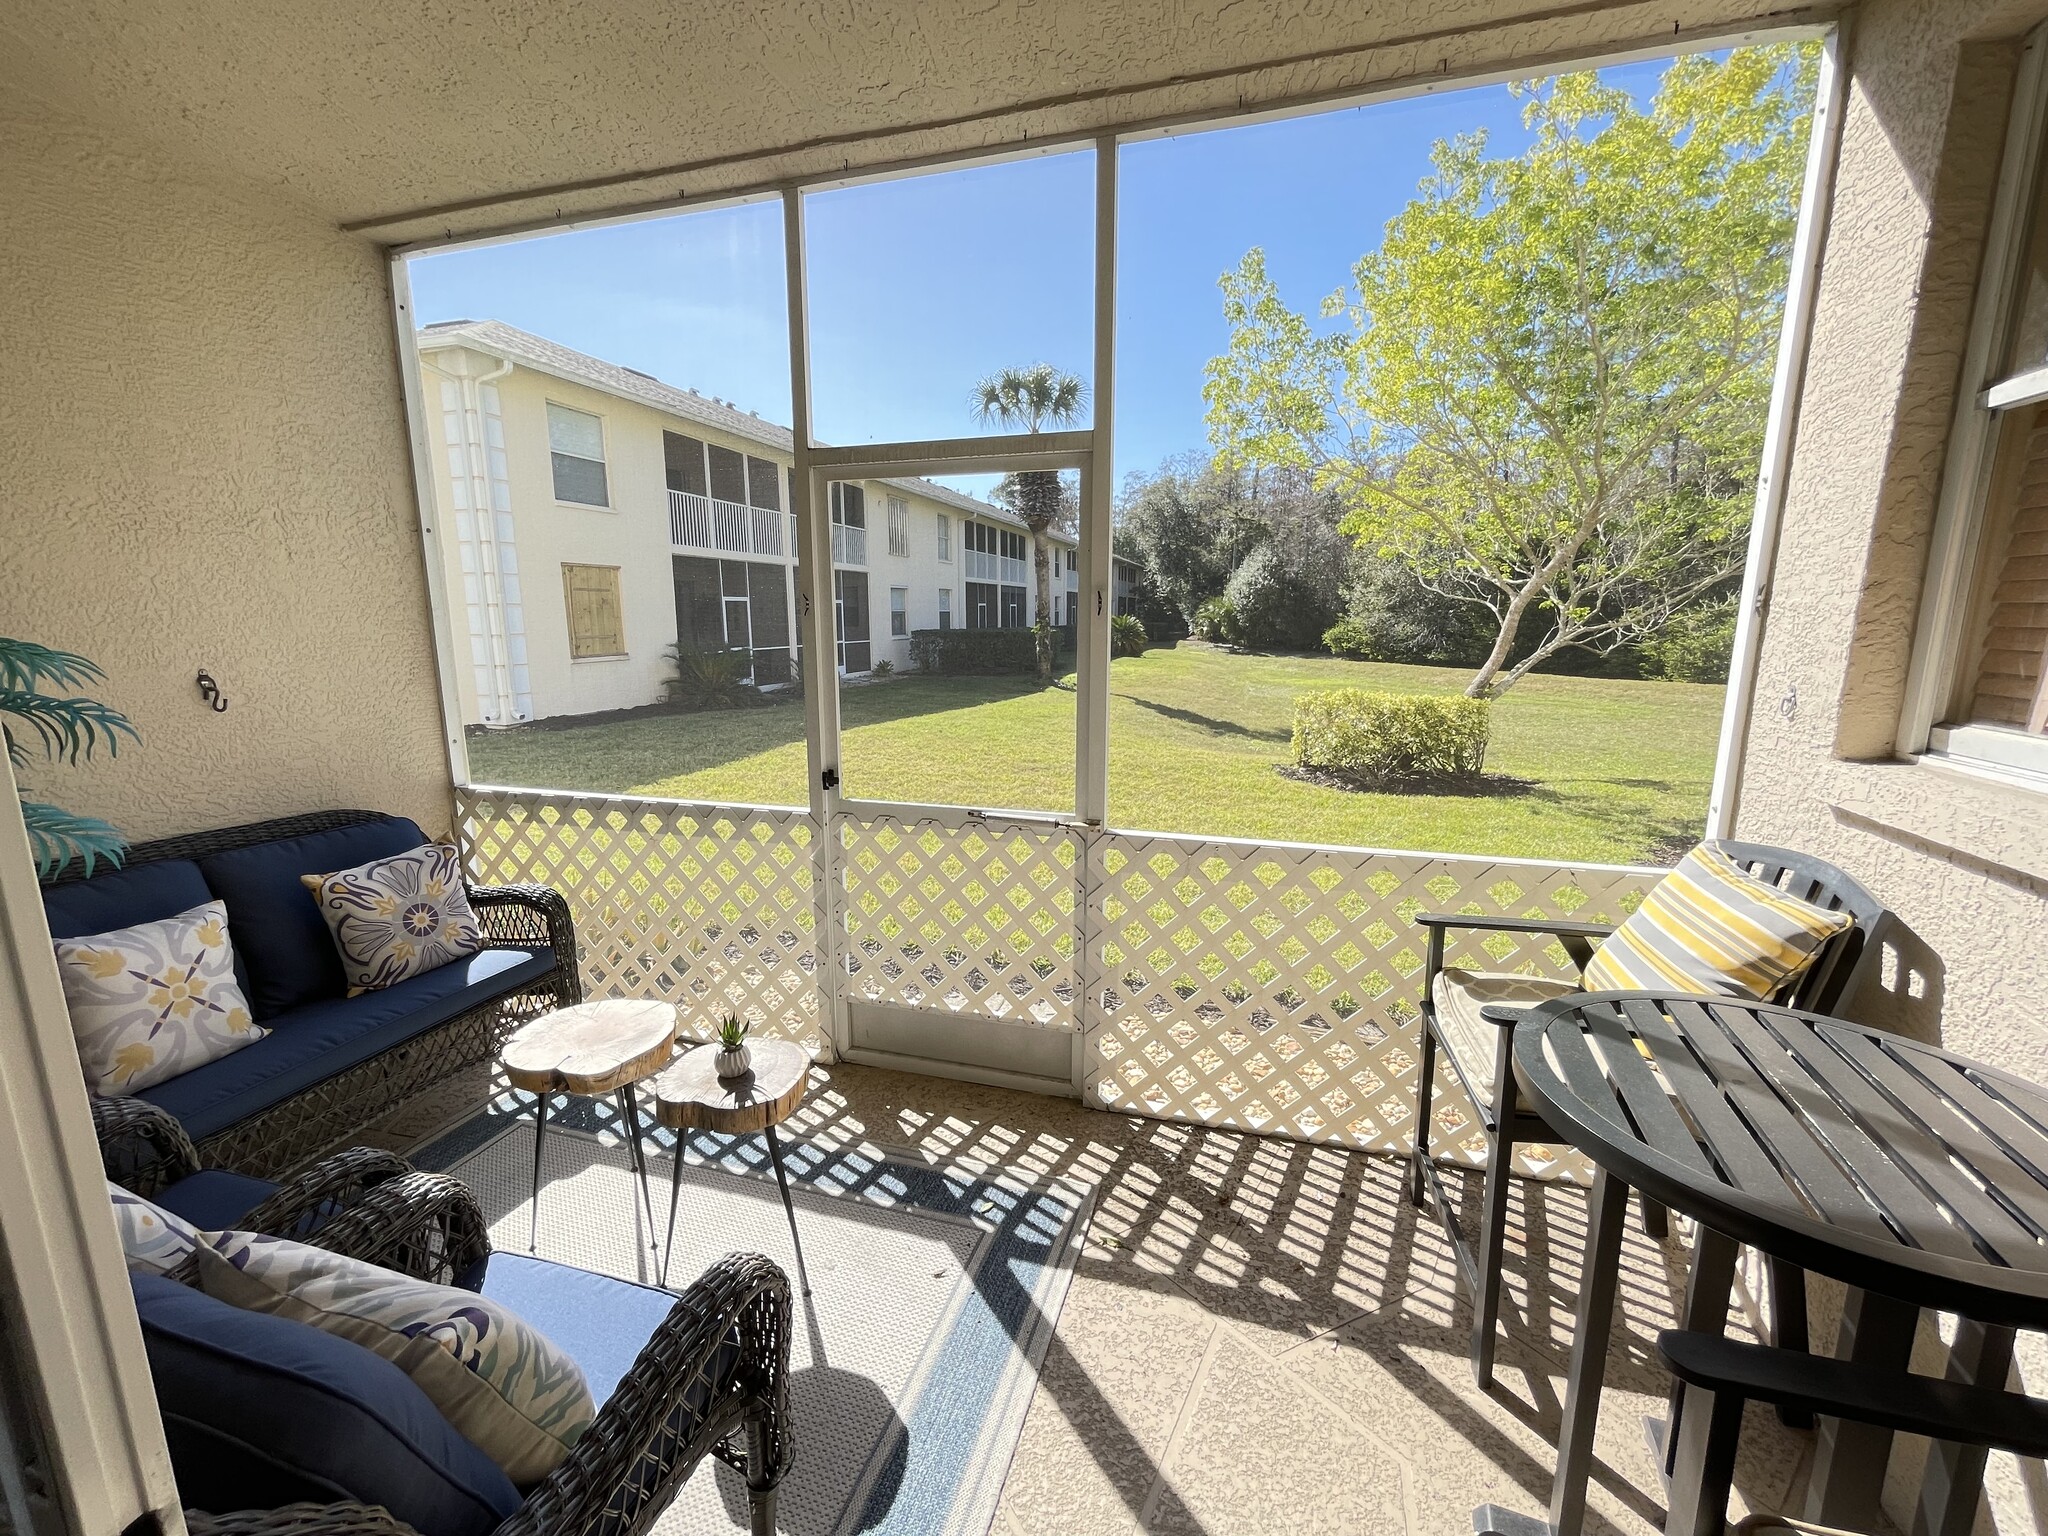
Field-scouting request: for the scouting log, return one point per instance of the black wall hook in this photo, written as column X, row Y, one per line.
column 209, row 690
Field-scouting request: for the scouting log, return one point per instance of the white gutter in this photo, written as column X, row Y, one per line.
column 484, row 523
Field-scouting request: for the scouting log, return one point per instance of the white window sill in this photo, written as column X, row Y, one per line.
column 1993, row 817
column 580, row 661
column 583, row 506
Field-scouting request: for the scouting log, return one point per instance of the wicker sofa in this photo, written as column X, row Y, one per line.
column 678, row 1376
column 331, row 1063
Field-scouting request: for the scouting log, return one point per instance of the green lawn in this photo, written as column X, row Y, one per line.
column 1619, row 771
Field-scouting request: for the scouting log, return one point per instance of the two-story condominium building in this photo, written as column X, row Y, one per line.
column 591, row 517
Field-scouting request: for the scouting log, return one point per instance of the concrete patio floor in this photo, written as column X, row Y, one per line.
column 1265, row 1337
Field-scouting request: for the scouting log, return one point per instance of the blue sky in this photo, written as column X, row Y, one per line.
column 921, row 285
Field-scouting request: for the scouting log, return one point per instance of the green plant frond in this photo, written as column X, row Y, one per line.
column 1031, row 398
column 24, row 665
column 70, row 729
column 56, row 837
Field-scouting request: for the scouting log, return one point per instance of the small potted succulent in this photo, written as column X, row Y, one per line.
column 734, row 1059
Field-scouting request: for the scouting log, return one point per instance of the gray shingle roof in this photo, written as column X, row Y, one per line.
column 537, row 352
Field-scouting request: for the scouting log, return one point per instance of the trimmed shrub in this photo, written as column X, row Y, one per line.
column 710, row 680
column 1127, row 635
column 1348, row 638
column 1279, row 604
column 1390, row 738
column 1216, row 621
column 961, row 651
column 1696, row 646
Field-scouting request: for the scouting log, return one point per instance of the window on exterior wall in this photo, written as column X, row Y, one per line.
column 596, row 624
column 945, row 537
column 899, row 611
column 576, row 449
column 899, row 527
column 945, row 607
column 1982, row 680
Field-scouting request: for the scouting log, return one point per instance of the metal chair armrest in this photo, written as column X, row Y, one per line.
column 717, row 1363
column 1569, row 932
column 142, row 1148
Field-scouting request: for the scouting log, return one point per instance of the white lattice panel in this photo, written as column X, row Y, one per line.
column 711, row 907
column 1274, row 988
column 982, row 918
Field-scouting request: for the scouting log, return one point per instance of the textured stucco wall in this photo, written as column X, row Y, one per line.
column 202, row 440
column 1959, row 859
column 1962, row 861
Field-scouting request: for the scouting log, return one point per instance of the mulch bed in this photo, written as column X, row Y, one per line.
column 1489, row 785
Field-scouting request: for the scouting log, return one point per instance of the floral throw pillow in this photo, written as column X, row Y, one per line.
column 151, row 1237
column 397, row 917
column 521, row 1400
column 155, row 1000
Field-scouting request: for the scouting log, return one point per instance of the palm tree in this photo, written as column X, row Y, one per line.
column 1033, row 399
column 68, row 729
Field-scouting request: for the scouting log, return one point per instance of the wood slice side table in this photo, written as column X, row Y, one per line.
column 592, row 1049
column 691, row 1096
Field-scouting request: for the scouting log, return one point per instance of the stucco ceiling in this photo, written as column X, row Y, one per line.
column 416, row 118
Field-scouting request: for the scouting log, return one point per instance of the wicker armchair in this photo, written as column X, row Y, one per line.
column 713, row 1378
column 328, row 1113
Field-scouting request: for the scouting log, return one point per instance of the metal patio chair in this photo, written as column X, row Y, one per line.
column 1469, row 1018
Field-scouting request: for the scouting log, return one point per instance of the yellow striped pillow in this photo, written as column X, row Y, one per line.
column 1710, row 927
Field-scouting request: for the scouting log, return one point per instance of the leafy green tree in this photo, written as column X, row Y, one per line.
column 1033, row 399
column 68, row 729
column 1549, row 397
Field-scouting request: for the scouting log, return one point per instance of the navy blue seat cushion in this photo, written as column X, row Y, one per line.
column 310, row 1044
column 121, row 898
column 273, row 921
column 262, row 1411
column 214, row 1200
column 601, row 1323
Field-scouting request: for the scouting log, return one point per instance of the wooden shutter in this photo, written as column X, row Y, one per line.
column 2012, row 680
column 595, row 624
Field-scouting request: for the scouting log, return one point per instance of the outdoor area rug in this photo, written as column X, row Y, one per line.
column 935, row 1289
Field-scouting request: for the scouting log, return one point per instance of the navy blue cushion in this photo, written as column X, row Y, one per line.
column 599, row 1322
column 262, row 1411
column 214, row 1200
column 121, row 898
column 310, row 1044
column 273, row 921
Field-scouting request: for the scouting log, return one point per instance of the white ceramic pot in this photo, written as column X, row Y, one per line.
column 737, row 1062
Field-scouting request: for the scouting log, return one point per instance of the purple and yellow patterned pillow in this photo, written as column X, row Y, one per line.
column 154, row 1000
column 397, row 917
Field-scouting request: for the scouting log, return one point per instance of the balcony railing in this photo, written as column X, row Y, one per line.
column 1259, row 987
column 707, row 522
column 849, row 545
column 982, row 566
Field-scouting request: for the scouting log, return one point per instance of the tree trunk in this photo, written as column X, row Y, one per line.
column 1042, row 566
column 1481, row 686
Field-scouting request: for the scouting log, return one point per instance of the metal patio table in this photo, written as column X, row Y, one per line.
column 1917, row 1177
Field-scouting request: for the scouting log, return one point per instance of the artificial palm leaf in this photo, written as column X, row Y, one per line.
column 56, row 837
column 24, row 665
column 70, row 728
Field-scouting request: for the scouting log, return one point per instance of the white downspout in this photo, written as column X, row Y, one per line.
column 484, row 522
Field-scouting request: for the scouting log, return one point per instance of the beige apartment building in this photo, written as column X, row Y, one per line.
column 626, row 516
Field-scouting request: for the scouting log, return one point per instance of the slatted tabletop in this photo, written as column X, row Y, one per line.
column 1890, row 1165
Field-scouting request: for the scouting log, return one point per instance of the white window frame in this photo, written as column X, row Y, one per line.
column 898, row 512
column 945, row 539
column 946, row 607
column 1948, row 600
column 899, row 613
column 603, row 461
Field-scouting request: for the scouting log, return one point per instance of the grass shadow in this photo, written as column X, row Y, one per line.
column 1210, row 723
